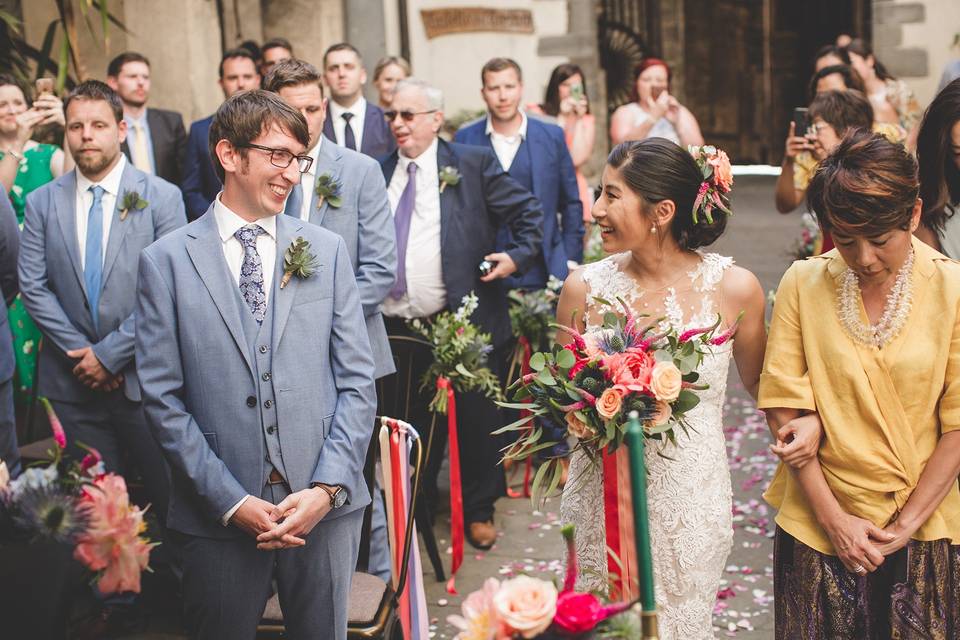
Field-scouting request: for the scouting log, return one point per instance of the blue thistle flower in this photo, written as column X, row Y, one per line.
column 48, row 513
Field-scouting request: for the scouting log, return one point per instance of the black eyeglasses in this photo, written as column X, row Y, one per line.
column 282, row 158
column 407, row 116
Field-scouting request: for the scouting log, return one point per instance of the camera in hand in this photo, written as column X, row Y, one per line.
column 486, row 267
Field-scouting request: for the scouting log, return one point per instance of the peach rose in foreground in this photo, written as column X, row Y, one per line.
column 666, row 381
column 609, row 403
column 479, row 619
column 526, row 605
column 578, row 428
column 664, row 412
column 722, row 172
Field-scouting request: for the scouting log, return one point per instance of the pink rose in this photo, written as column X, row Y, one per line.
column 578, row 612
column 578, row 428
column 664, row 412
column 526, row 605
column 609, row 403
column 479, row 619
column 666, row 381
column 631, row 369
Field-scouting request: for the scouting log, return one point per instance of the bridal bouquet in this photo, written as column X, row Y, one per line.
column 594, row 382
column 460, row 353
column 79, row 505
column 525, row 607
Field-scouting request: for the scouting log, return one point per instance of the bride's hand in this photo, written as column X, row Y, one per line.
column 798, row 441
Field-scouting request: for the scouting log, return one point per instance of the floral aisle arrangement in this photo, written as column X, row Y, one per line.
column 630, row 363
column 529, row 608
column 531, row 317
column 810, row 240
column 79, row 505
column 460, row 355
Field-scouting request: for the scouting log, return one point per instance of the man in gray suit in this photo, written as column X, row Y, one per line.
column 82, row 237
column 360, row 214
column 259, row 388
column 9, row 243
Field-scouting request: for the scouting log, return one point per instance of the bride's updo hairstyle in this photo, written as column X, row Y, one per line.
column 657, row 169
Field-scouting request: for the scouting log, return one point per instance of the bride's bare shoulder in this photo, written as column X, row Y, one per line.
column 741, row 287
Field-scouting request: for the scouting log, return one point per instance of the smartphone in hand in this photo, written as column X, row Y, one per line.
column 801, row 121
column 44, row 85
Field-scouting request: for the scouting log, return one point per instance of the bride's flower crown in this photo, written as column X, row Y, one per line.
column 717, row 182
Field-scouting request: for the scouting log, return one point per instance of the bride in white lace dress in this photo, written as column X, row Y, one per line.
column 645, row 215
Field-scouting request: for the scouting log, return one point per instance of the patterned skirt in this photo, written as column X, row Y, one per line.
column 913, row 595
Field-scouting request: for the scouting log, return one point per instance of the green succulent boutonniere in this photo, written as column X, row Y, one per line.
column 298, row 261
column 328, row 190
column 449, row 176
column 131, row 201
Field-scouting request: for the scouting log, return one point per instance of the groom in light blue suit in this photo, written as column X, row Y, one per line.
column 259, row 388
column 79, row 251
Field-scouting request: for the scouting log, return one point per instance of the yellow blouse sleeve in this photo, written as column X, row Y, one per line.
column 950, row 400
column 784, row 382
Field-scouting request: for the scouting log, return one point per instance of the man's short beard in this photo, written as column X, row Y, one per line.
column 95, row 166
column 133, row 103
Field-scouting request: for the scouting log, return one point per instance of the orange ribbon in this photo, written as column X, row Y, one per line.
column 456, row 488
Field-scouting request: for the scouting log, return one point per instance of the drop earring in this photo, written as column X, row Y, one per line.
column 653, row 229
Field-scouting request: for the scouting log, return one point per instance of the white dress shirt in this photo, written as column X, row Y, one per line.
column 84, row 200
column 426, row 293
column 308, row 179
column 506, row 147
column 227, row 224
column 359, row 111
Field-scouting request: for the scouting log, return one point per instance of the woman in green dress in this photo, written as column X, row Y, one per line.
column 26, row 165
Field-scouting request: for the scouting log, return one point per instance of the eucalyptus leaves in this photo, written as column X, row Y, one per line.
column 298, row 261
column 131, row 201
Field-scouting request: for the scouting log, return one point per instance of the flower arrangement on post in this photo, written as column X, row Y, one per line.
column 717, row 181
column 531, row 317
column 460, row 353
column 593, row 383
column 79, row 505
column 533, row 609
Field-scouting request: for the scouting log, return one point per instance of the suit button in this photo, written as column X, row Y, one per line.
column 263, row 348
column 271, row 429
column 266, row 377
column 251, row 401
column 268, row 404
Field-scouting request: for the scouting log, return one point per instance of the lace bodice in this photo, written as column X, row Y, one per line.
column 689, row 491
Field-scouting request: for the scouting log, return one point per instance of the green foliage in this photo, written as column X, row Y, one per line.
column 329, row 191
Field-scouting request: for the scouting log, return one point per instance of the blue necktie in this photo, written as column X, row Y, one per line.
column 401, row 222
column 294, row 204
column 93, row 253
column 349, row 140
column 251, row 271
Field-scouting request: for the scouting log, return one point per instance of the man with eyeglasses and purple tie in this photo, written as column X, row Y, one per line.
column 443, row 236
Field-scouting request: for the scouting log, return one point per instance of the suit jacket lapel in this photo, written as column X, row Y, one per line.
column 206, row 252
column 389, row 165
column 131, row 180
column 533, row 141
column 450, row 198
column 372, row 120
column 328, row 161
column 287, row 230
column 65, row 204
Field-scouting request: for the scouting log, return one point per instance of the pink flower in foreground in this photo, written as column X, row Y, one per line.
column 479, row 619
column 577, row 612
column 526, row 605
column 112, row 543
column 631, row 369
column 55, row 425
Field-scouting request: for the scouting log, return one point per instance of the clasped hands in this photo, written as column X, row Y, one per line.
column 285, row 525
column 91, row 372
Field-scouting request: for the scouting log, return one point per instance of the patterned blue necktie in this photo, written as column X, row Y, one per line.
column 251, row 272
column 294, row 206
column 93, row 254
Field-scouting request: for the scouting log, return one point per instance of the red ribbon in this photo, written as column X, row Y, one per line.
column 611, row 517
column 528, row 463
column 399, row 519
column 456, row 490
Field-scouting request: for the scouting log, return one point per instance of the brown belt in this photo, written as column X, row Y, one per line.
column 275, row 477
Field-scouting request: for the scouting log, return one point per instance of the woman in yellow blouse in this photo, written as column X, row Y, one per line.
column 864, row 351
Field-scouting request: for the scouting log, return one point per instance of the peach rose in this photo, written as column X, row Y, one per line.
column 609, row 403
column 578, row 428
column 526, row 605
column 722, row 172
column 665, row 381
column 664, row 412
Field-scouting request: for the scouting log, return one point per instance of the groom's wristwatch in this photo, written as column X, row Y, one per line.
column 338, row 497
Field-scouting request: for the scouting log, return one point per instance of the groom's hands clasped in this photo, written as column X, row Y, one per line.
column 300, row 512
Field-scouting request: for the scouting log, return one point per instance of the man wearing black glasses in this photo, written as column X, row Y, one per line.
column 450, row 202
column 258, row 385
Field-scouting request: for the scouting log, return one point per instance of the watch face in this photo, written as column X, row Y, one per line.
column 339, row 498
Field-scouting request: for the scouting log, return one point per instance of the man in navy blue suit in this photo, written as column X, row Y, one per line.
column 200, row 185
column 535, row 154
column 443, row 235
column 352, row 122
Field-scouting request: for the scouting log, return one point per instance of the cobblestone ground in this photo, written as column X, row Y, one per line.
column 759, row 239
